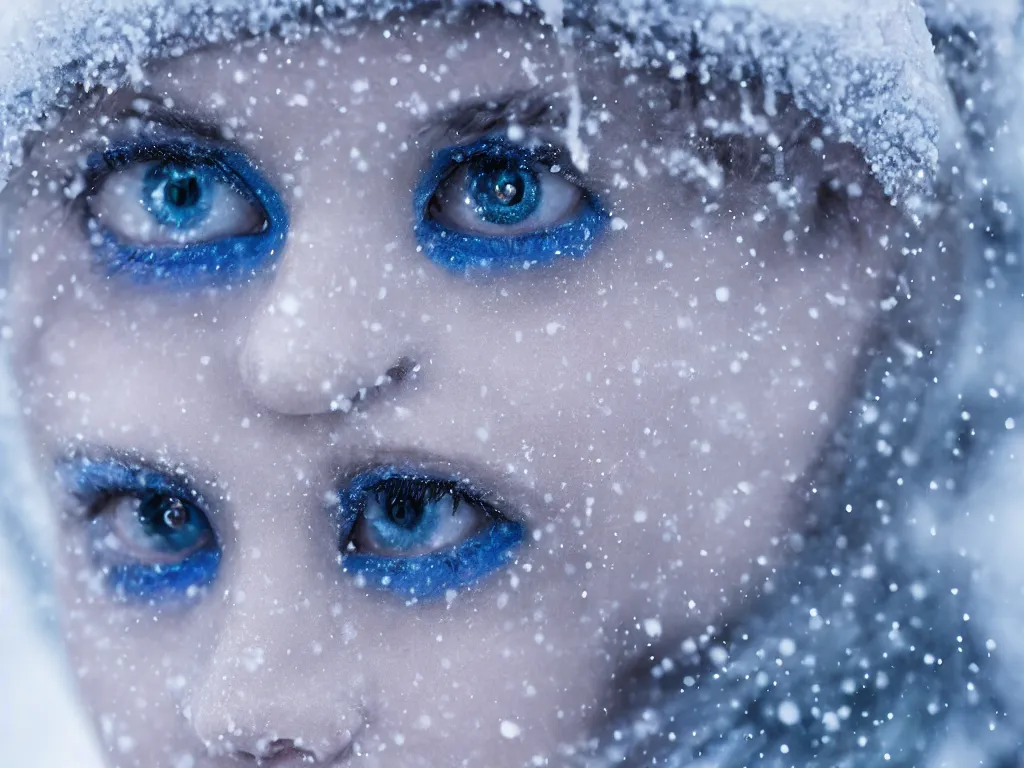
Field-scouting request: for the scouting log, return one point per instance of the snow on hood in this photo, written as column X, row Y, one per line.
column 866, row 68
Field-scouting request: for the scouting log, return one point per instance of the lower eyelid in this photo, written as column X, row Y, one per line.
column 175, row 582
column 431, row 576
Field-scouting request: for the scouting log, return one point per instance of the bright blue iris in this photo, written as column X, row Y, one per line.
column 168, row 524
column 169, row 521
column 406, row 523
column 178, row 193
column 410, row 523
column 505, row 188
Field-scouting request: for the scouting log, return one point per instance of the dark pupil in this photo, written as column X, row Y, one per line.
column 503, row 192
column 179, row 195
column 508, row 188
column 163, row 515
column 182, row 192
column 405, row 512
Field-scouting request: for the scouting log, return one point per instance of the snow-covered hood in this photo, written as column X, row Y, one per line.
column 867, row 68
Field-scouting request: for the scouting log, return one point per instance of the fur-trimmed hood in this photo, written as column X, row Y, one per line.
column 868, row 69
column 894, row 638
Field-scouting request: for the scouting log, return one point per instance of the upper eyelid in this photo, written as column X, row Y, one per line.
column 460, row 123
column 536, row 148
column 458, row 483
column 158, row 123
column 178, row 477
column 98, row 157
column 465, row 119
column 494, row 488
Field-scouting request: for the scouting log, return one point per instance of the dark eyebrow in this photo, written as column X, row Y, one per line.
column 149, row 107
column 473, row 117
column 466, row 119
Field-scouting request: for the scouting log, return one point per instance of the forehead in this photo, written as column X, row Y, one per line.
column 352, row 88
column 411, row 66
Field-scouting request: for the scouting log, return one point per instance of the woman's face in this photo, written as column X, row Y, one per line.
column 402, row 384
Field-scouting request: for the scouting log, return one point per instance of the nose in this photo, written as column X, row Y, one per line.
column 278, row 687
column 335, row 324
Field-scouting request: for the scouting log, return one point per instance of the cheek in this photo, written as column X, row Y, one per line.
column 631, row 356
column 130, row 675
column 48, row 257
column 673, row 404
column 521, row 656
column 148, row 372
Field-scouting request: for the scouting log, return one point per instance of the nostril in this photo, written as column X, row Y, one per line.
column 279, row 753
column 403, row 369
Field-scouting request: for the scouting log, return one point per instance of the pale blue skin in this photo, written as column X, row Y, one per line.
column 191, row 169
column 581, row 391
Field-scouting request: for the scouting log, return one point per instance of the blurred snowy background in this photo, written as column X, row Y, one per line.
column 40, row 726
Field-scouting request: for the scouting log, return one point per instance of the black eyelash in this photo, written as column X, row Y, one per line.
column 545, row 155
column 164, row 136
column 417, row 490
column 102, row 162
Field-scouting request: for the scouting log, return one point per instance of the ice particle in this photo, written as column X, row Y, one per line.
column 509, row 729
column 789, row 713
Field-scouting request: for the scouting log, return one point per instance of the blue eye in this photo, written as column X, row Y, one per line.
column 502, row 190
column 499, row 206
column 182, row 214
column 150, row 536
column 179, row 196
column 420, row 536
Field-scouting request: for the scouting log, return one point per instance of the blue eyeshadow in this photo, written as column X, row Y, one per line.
column 465, row 252
column 431, row 575
column 217, row 262
column 96, row 482
column 173, row 581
